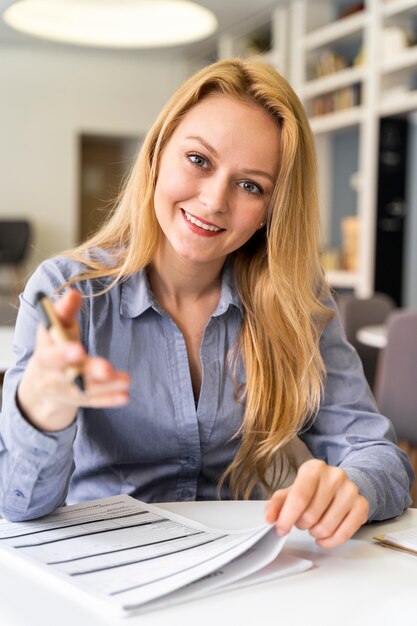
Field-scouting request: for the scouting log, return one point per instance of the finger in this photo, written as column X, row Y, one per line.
column 50, row 356
column 274, row 505
column 118, row 398
column 331, row 481
column 343, row 502
column 351, row 523
column 99, row 370
column 300, row 495
column 120, row 383
column 63, row 391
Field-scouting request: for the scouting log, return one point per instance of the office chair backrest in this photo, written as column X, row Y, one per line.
column 8, row 313
column 14, row 241
column 358, row 312
column 396, row 383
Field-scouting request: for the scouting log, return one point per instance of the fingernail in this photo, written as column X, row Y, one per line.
column 280, row 533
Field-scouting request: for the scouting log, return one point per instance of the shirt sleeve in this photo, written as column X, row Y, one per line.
column 35, row 467
column 350, row 433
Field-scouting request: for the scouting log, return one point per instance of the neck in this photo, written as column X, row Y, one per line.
column 176, row 279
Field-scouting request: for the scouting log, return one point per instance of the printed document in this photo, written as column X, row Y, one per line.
column 125, row 555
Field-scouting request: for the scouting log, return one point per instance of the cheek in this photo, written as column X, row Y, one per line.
column 173, row 185
column 251, row 221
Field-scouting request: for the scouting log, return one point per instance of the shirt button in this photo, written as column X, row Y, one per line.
column 18, row 494
column 186, row 493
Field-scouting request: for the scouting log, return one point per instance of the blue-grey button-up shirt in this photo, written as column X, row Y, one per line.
column 161, row 446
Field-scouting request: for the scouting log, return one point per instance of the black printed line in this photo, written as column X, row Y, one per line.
column 96, row 521
column 94, row 532
column 149, row 558
column 140, row 545
column 186, row 569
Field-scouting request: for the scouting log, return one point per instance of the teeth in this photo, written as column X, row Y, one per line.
column 197, row 222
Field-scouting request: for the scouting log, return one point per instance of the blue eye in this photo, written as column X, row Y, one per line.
column 198, row 160
column 250, row 187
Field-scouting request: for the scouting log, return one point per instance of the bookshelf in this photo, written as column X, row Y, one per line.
column 348, row 76
column 382, row 68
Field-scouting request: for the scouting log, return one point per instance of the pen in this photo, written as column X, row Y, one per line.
column 57, row 332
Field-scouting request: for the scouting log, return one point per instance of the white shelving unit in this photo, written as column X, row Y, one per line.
column 387, row 83
column 238, row 42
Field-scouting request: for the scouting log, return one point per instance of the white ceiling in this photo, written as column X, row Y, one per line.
column 230, row 14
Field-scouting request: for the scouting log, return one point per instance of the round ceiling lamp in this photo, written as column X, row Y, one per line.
column 113, row 23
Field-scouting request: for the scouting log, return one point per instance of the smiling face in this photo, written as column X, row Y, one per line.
column 215, row 179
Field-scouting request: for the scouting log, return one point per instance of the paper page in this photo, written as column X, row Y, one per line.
column 406, row 538
column 126, row 553
column 243, row 571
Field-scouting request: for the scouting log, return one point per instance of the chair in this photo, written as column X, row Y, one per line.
column 14, row 244
column 396, row 383
column 8, row 313
column 358, row 312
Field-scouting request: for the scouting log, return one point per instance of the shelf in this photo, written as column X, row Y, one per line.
column 396, row 7
column 337, row 120
column 342, row 78
column 341, row 29
column 342, row 279
column 402, row 60
column 403, row 103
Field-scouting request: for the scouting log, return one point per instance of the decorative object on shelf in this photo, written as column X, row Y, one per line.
column 258, row 44
column 350, row 245
column 330, row 259
column 351, row 9
column 394, row 40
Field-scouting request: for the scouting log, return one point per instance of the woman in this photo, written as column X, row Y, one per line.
column 206, row 334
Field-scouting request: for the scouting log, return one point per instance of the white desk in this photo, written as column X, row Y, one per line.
column 374, row 336
column 6, row 347
column 360, row 583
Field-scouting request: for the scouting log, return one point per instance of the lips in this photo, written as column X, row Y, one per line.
column 200, row 224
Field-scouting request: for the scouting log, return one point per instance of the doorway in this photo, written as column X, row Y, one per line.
column 104, row 163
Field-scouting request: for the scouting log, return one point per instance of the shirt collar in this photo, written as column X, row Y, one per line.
column 137, row 297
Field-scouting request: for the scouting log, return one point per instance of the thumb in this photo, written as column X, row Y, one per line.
column 68, row 306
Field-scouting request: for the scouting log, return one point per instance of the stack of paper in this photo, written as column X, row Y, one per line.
column 127, row 555
column 405, row 540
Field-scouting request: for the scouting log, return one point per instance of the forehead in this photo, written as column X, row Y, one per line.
column 226, row 122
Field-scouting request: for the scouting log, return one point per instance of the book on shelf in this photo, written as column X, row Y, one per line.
column 338, row 100
column 122, row 556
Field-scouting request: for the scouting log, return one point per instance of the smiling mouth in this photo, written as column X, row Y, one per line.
column 200, row 224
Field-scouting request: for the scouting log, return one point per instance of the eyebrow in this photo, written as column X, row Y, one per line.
column 216, row 154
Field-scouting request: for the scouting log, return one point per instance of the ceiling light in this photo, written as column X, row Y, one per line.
column 113, row 23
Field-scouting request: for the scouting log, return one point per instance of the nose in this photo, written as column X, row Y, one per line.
column 214, row 194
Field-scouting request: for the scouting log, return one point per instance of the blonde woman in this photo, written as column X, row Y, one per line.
column 209, row 343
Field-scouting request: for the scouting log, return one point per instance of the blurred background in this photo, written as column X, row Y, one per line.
column 72, row 117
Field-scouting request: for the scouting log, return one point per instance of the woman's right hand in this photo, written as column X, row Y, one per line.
column 47, row 396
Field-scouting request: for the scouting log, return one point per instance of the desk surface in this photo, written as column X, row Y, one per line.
column 375, row 336
column 6, row 347
column 360, row 583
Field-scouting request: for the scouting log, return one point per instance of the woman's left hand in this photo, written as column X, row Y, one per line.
column 322, row 500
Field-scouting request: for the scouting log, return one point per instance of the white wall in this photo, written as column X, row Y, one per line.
column 46, row 99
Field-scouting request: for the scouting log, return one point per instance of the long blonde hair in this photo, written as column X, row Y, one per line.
column 277, row 272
